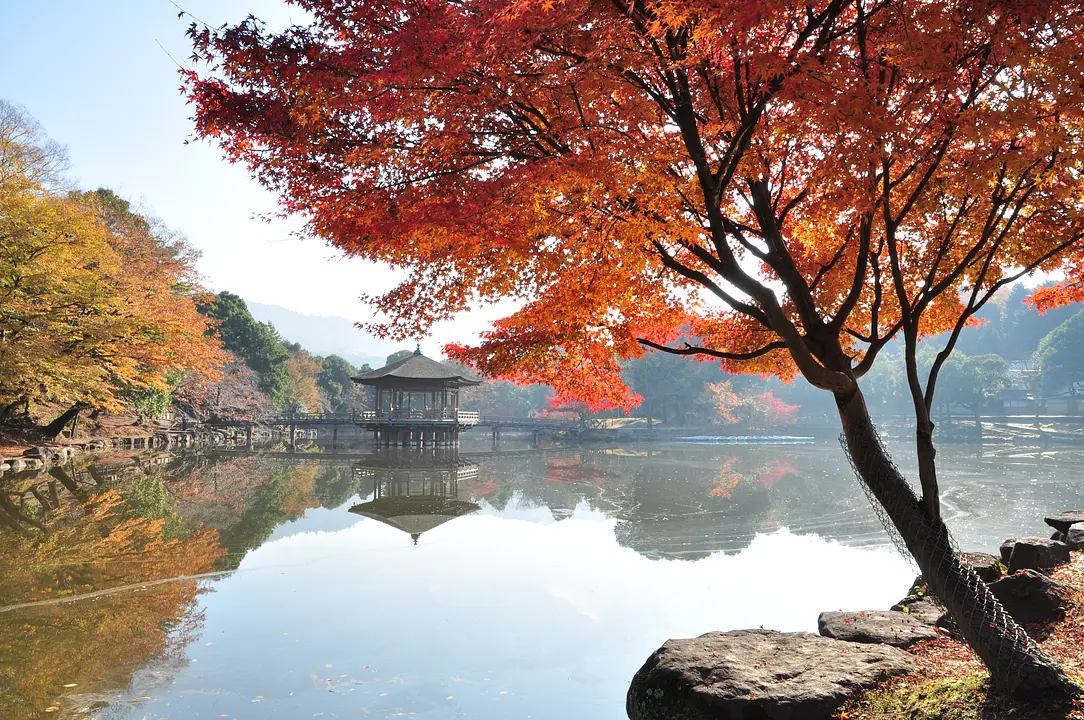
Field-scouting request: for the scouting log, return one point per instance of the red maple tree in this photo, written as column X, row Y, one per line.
column 794, row 184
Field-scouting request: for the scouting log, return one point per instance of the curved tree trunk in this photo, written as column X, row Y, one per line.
column 1017, row 664
column 53, row 429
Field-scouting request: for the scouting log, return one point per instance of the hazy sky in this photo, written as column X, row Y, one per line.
column 101, row 77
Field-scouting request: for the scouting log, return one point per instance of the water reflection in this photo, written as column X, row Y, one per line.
column 561, row 571
column 414, row 492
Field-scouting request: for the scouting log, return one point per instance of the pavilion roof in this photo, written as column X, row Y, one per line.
column 414, row 515
column 417, row 367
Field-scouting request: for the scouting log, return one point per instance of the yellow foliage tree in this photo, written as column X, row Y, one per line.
column 303, row 369
column 94, row 300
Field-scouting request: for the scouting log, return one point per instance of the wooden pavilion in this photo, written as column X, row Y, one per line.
column 416, row 403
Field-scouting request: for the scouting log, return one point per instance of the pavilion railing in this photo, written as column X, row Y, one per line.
column 429, row 414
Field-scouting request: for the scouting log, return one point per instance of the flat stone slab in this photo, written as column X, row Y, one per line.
column 761, row 674
column 887, row 627
column 1037, row 554
column 1063, row 520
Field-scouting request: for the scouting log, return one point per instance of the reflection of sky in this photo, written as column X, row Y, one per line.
column 488, row 617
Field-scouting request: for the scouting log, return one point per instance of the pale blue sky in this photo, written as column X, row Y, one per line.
column 98, row 77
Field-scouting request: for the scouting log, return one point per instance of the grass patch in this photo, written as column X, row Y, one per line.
column 951, row 684
column 941, row 699
column 955, row 698
column 966, row 698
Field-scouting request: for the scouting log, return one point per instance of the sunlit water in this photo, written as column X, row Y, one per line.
column 546, row 582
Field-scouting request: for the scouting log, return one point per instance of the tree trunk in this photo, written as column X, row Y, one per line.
column 53, row 429
column 13, row 510
column 1017, row 664
column 67, row 481
column 6, row 519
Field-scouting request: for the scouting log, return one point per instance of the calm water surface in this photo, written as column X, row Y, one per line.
column 510, row 585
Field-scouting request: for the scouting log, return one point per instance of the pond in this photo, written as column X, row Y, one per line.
column 511, row 584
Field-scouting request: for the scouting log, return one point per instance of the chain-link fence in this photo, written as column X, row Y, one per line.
column 992, row 633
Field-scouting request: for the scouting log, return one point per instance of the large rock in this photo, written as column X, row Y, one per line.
column 1037, row 554
column 757, row 675
column 1062, row 521
column 1031, row 597
column 1074, row 538
column 1006, row 550
column 988, row 567
column 886, row 627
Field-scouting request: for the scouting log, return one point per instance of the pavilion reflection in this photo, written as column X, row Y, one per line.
column 414, row 491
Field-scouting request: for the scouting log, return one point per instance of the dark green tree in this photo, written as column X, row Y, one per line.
column 334, row 487
column 671, row 385
column 1060, row 357
column 972, row 380
column 257, row 344
column 336, row 384
column 398, row 355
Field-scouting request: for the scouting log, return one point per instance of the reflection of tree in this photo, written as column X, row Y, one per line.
column 765, row 471
column 717, row 507
column 98, row 542
column 335, row 486
column 284, row 495
column 717, row 501
column 94, row 645
column 88, row 534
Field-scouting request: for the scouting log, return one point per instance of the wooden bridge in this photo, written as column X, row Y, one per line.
column 409, row 428
column 357, row 418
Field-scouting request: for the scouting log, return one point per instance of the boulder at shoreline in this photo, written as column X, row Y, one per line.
column 1037, row 554
column 759, row 674
column 1031, row 597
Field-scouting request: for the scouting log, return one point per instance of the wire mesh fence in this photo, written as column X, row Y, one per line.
column 1002, row 644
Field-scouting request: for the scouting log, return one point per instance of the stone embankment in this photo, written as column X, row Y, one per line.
column 43, row 457
column 768, row 675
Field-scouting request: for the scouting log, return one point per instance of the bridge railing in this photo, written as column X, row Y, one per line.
column 317, row 416
column 526, row 422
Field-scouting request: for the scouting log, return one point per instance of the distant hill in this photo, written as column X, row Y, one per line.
column 324, row 335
